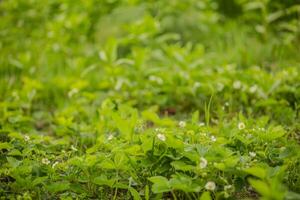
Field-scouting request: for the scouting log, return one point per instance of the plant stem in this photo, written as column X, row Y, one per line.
column 173, row 194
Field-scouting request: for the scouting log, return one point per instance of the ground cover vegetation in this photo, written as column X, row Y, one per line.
column 131, row 99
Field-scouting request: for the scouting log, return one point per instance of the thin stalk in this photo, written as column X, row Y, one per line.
column 173, row 194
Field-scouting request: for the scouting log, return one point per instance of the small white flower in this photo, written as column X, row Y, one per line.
column 249, row 136
column 56, row 47
column 282, row 148
column 45, row 161
column 203, row 134
column 102, row 55
column 213, row 138
column 161, row 137
column 252, row 154
column 237, row 85
column 72, row 92
column 241, row 125
column 156, row 79
column 220, row 86
column 253, row 89
column 132, row 182
column 182, row 124
column 50, row 34
column 15, row 95
column 203, row 163
column 26, row 138
column 210, row 185
column 54, row 165
column 73, row 148
column 159, row 130
column 119, row 84
column 227, row 187
column 140, row 126
column 201, row 124
column 110, row 137
column 195, row 86
column 261, row 129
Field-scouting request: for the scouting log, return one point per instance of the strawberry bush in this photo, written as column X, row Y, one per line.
column 129, row 99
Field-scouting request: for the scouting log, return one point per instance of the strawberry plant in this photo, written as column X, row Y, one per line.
column 130, row 99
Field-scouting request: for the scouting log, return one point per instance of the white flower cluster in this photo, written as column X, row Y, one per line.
column 160, row 134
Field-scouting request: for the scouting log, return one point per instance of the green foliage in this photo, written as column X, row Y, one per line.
column 130, row 99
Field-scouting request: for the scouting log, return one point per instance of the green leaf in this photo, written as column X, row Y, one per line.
column 256, row 171
column 292, row 195
column 184, row 183
column 78, row 188
column 120, row 160
column 205, row 196
column 243, row 139
column 231, row 161
column 58, row 187
column 103, row 180
column 174, row 143
column 15, row 152
column 195, row 117
column 275, row 132
column 180, row 165
column 220, row 166
column 111, row 49
column 123, row 125
column 13, row 162
column 261, row 187
column 150, row 115
column 275, row 16
column 134, row 194
column 147, row 143
column 120, row 185
column 160, row 184
column 107, row 164
column 39, row 180
column 5, row 145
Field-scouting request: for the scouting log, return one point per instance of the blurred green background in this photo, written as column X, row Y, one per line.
column 164, row 53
